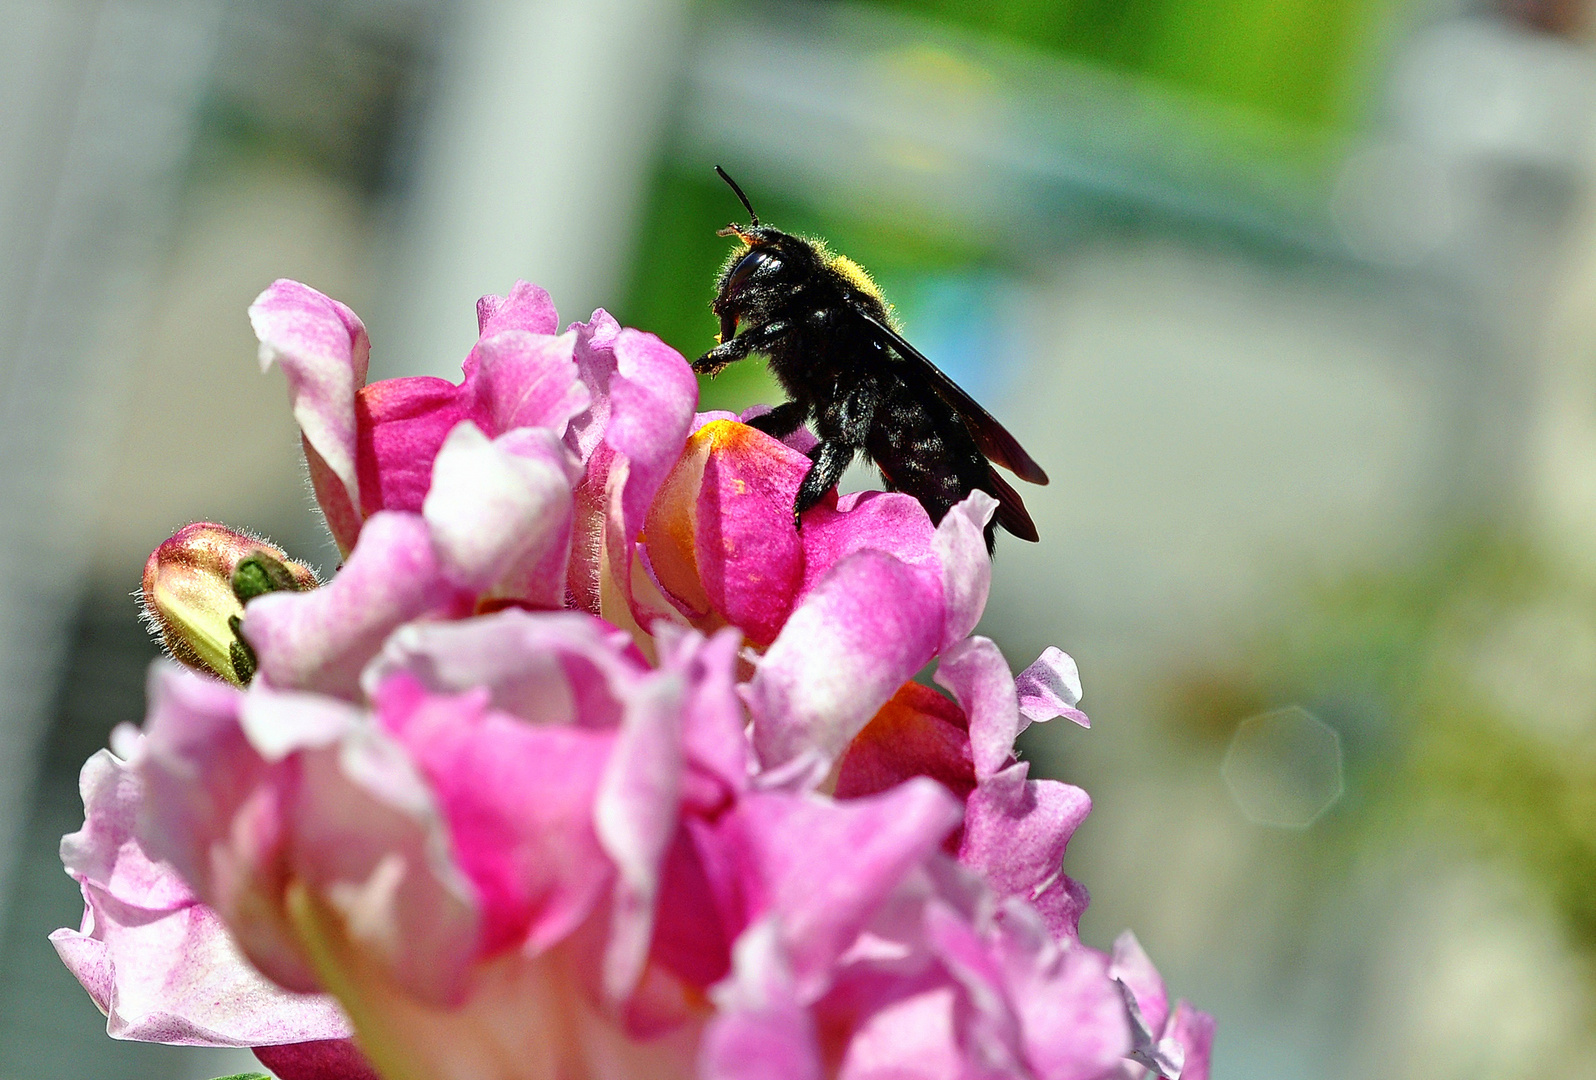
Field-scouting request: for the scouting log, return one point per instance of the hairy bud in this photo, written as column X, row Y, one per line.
column 196, row 585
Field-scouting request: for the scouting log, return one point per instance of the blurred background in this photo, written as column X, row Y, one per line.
column 1295, row 300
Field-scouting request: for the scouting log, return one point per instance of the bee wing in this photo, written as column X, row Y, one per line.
column 991, row 437
column 1011, row 510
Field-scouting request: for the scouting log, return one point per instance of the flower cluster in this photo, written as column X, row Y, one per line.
column 586, row 763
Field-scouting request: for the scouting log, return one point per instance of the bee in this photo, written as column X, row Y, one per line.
column 834, row 346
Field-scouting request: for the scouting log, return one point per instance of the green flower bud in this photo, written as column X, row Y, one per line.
column 196, row 585
column 260, row 573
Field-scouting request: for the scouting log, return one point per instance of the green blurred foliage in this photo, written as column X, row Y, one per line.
column 1301, row 60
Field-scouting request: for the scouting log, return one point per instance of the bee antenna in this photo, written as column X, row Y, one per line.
column 753, row 217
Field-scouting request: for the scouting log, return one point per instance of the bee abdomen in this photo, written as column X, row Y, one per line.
column 925, row 454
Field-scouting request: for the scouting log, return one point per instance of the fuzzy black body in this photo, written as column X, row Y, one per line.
column 831, row 344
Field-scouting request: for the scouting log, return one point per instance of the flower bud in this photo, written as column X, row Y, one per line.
column 196, row 585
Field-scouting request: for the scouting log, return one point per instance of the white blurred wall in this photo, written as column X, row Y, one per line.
column 534, row 157
column 97, row 107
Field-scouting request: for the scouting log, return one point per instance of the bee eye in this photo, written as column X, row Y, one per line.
column 745, row 268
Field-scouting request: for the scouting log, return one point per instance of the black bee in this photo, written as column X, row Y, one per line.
column 833, row 346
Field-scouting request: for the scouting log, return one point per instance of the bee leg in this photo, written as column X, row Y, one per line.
column 830, row 462
column 754, row 339
column 728, row 352
column 781, row 421
column 716, row 359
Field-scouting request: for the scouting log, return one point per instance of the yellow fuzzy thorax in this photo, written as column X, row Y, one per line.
column 853, row 274
column 856, row 275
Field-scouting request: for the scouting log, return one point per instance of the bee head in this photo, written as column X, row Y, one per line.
column 747, row 275
column 768, row 257
column 767, row 265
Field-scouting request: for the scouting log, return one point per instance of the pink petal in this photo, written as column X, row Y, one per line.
column 106, row 854
column 323, row 350
column 344, row 811
column 584, row 579
column 538, row 576
column 160, row 964
column 1193, row 1031
column 197, row 768
column 699, row 916
column 564, row 669
column 911, row 1038
column 279, row 722
column 760, row 1032
column 500, row 513
column 868, row 626
column 1161, row 1057
column 992, row 993
column 979, row 677
column 515, row 377
column 652, row 397
column 327, row 1059
column 1132, row 967
column 518, row 799
column 701, row 419
column 544, row 667
column 369, row 839
column 525, row 380
column 212, row 808
column 670, row 534
column 403, row 422
column 966, row 568
column 886, row 521
column 320, row 640
column 528, row 307
column 990, row 1030
column 342, row 515
column 1071, row 1012
column 1015, row 834
column 1050, row 687
column 594, row 355
column 635, row 813
column 825, row 868
column 714, row 737
column 720, row 535
column 643, row 397
column 917, row 733
column 750, row 557
column 1016, row 830
column 178, row 977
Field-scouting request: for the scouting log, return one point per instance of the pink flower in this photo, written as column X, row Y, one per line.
column 371, row 448
column 1015, row 829
column 587, row 763
column 570, row 457
column 619, row 402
